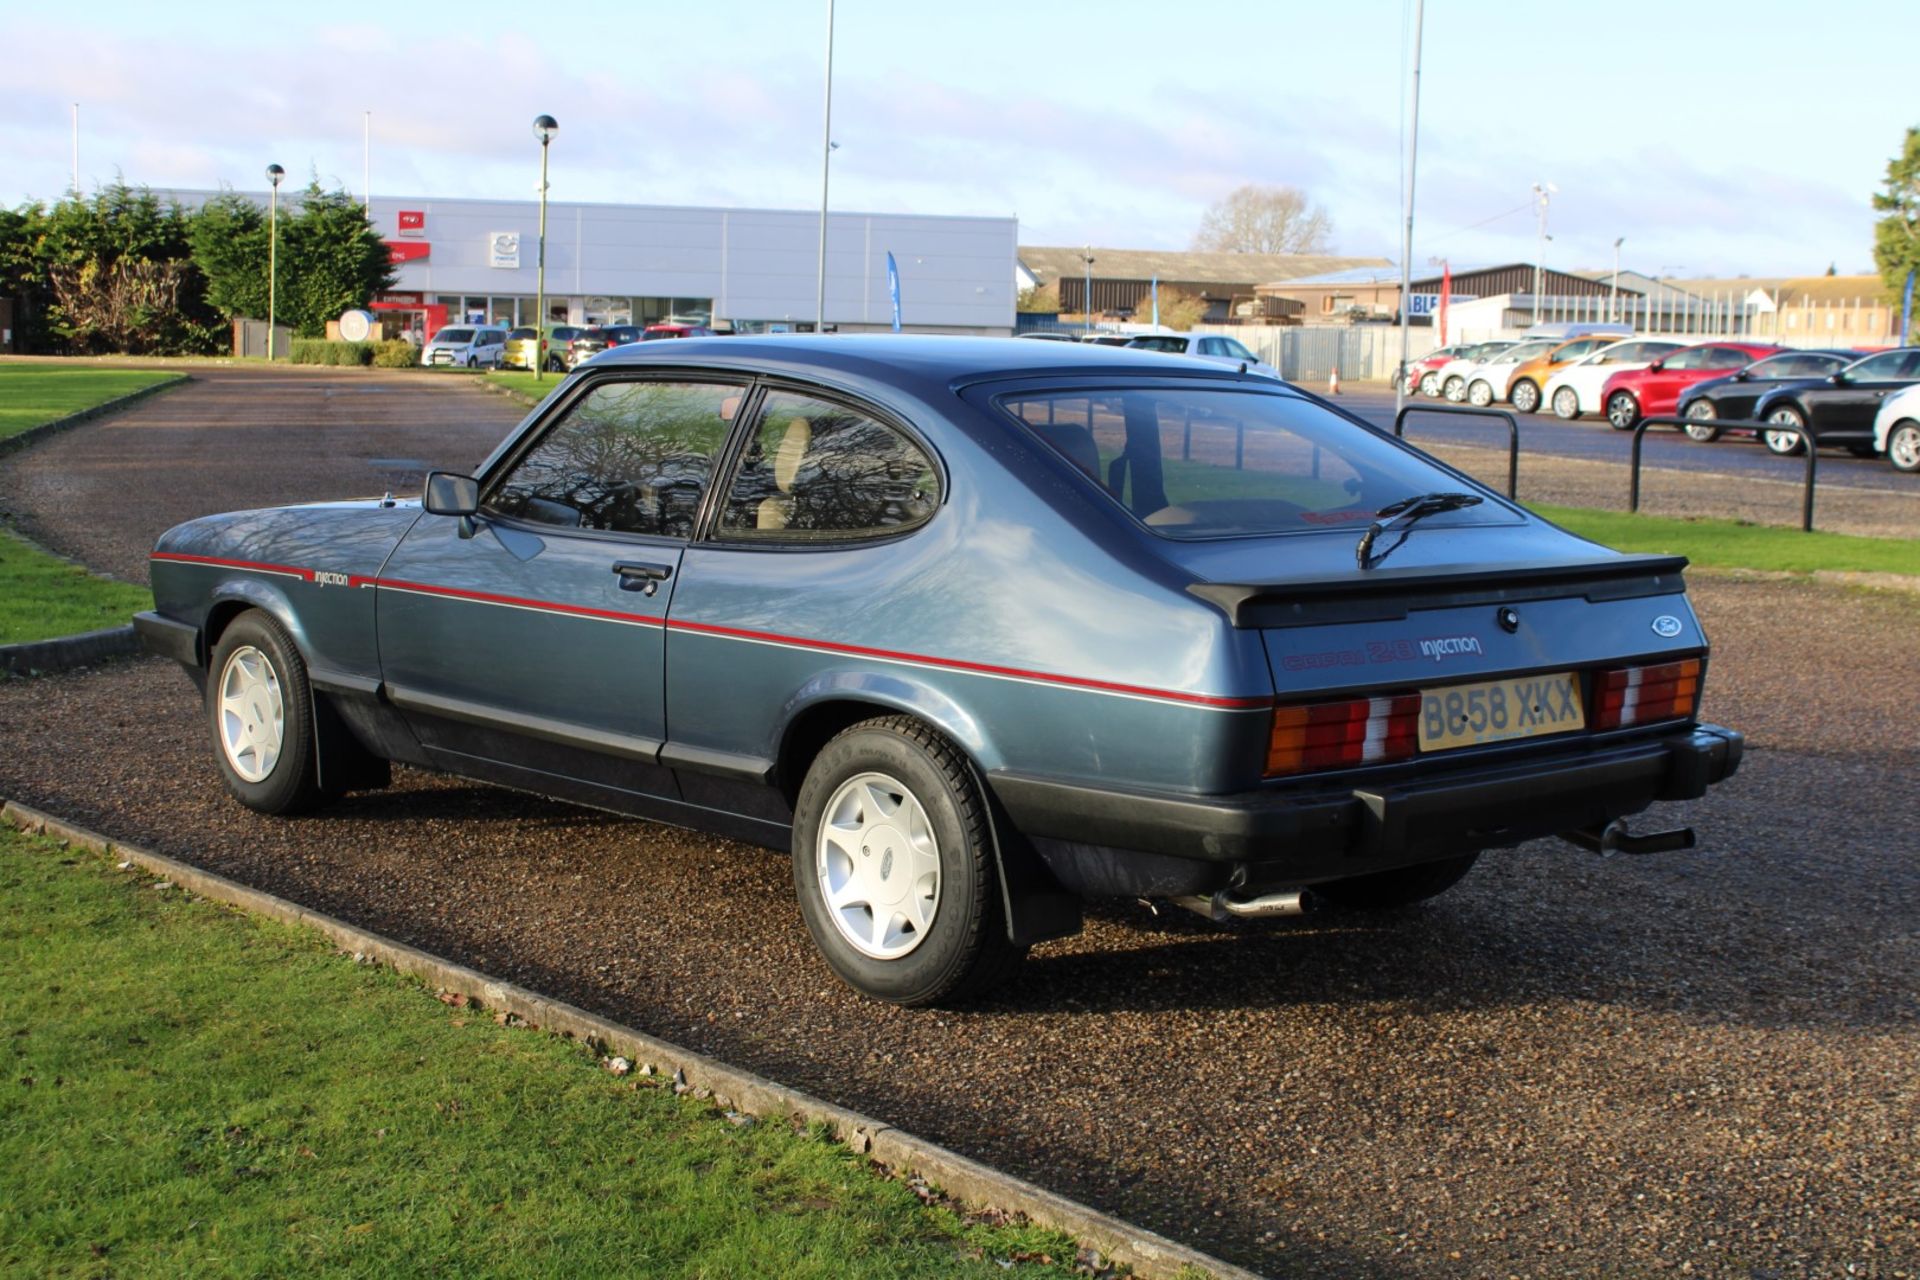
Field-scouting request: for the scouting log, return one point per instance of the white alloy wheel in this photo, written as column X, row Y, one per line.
column 1430, row 384
column 1566, row 403
column 1480, row 394
column 253, row 713
column 1456, row 388
column 878, row 866
column 1526, row 396
column 1903, row 446
column 1702, row 412
column 1787, row 439
column 1622, row 411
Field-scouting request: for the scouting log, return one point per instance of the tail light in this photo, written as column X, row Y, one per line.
column 1643, row 695
column 1333, row 735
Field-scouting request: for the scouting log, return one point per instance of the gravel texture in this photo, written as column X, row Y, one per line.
column 1704, row 1063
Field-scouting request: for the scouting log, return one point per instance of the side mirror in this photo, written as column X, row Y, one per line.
column 1835, row 379
column 448, row 494
column 1740, row 375
column 1656, row 366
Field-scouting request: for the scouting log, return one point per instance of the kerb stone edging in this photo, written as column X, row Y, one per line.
column 972, row 1183
column 64, row 653
column 45, row 429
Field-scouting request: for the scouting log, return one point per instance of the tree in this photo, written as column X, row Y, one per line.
column 331, row 260
column 1256, row 219
column 1896, row 237
column 1042, row 299
column 230, row 246
column 1178, row 308
column 128, row 305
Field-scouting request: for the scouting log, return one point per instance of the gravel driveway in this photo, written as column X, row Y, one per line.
column 1707, row 1062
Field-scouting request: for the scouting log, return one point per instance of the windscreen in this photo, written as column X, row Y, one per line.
column 1199, row 463
column 1525, row 351
column 454, row 337
column 519, row 335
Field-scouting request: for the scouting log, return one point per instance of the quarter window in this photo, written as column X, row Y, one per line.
column 815, row 471
column 628, row 457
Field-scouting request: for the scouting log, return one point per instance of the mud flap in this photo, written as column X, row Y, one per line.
column 1038, row 908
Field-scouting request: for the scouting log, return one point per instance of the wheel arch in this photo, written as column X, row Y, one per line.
column 235, row 597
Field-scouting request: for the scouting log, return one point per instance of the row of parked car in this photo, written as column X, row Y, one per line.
column 559, row 347
column 1205, row 346
column 1865, row 402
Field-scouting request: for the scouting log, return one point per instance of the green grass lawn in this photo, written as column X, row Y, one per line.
column 32, row 394
column 42, row 597
column 189, row 1091
column 1731, row 544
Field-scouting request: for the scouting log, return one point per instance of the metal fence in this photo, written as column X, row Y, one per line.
column 1310, row 354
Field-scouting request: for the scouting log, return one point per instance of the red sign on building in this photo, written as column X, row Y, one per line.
column 413, row 222
column 407, row 252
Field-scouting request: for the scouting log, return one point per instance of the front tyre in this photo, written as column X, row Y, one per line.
column 1480, row 394
column 1400, row 887
column 1782, row 435
column 1622, row 411
column 1455, row 388
column 893, row 864
column 1525, row 396
column 1903, row 447
column 260, row 713
column 1430, row 385
column 1700, row 417
column 1566, row 404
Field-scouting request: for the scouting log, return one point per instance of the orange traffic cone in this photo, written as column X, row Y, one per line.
column 1333, row 383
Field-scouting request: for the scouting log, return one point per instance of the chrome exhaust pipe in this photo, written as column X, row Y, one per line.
column 1222, row 907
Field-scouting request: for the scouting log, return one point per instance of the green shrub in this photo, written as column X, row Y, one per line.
column 398, row 354
column 322, row 351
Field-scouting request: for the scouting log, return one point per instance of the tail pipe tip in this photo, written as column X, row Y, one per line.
column 1222, row 906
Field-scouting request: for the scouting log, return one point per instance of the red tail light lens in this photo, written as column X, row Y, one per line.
column 1643, row 695
column 1335, row 735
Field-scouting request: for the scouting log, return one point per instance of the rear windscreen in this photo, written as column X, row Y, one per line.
column 1193, row 463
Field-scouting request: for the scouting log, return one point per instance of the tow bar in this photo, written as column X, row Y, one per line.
column 1615, row 838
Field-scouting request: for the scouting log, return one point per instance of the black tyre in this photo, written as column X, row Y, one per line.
column 1430, row 384
column 1397, row 888
column 1623, row 411
column 893, row 864
column 1525, row 395
column 1782, row 435
column 1480, row 393
column 260, row 715
column 1903, row 446
column 1566, row 404
column 1455, row 388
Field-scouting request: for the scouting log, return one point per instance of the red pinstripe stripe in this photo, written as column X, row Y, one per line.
column 765, row 637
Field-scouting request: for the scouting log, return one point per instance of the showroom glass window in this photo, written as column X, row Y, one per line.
column 628, row 457
column 817, row 471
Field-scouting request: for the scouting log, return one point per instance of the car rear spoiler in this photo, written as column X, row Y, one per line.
column 1382, row 595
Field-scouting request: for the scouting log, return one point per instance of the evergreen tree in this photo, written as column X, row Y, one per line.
column 1896, row 237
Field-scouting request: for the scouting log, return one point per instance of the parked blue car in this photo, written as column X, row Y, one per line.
column 978, row 628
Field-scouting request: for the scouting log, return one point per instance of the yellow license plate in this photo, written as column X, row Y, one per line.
column 1469, row 715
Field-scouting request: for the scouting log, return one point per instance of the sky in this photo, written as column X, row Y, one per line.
column 1716, row 143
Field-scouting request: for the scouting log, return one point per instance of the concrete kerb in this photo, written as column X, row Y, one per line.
column 65, row 653
column 968, row 1181
column 15, row 443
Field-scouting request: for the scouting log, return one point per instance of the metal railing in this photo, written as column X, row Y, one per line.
column 1807, row 443
column 1513, row 435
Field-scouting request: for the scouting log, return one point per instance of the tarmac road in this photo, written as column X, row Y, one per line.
column 1705, row 1062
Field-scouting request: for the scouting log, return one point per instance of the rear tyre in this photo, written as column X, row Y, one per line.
column 1430, row 384
column 1782, row 435
column 1903, row 446
column 1480, row 394
column 1400, row 887
column 260, row 714
column 1700, row 415
column 1566, row 404
column 1456, row 388
column 893, row 864
column 1525, row 396
column 1623, row 411
column 556, row 365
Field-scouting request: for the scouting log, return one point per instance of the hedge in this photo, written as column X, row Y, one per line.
column 397, row 354
column 323, row 351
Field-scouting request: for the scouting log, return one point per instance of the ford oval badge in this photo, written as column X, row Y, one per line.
column 1666, row 626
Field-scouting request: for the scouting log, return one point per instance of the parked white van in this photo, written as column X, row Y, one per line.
column 466, row 347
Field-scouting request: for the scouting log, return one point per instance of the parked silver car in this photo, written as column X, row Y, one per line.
column 1208, row 346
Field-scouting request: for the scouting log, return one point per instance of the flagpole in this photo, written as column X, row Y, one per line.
column 1406, row 233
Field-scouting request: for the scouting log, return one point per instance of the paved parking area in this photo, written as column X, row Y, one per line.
column 1706, row 1062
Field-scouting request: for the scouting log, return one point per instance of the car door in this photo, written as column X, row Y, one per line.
column 1848, row 407
column 1660, row 387
column 526, row 643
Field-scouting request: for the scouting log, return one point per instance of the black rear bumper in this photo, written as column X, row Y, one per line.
column 1301, row 835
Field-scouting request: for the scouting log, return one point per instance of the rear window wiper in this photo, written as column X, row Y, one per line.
column 1403, row 515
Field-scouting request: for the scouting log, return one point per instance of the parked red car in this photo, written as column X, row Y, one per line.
column 655, row 332
column 1421, row 373
column 1633, row 394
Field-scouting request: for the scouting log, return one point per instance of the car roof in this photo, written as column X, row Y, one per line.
column 923, row 360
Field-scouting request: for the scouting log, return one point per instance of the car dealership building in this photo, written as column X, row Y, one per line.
column 755, row 270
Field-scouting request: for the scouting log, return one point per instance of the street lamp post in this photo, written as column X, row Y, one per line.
column 826, row 165
column 1407, row 175
column 274, row 174
column 544, row 127
column 1543, row 192
column 1613, row 293
column 1086, row 298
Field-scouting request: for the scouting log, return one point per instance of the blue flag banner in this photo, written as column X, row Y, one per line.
column 893, row 288
column 1906, row 310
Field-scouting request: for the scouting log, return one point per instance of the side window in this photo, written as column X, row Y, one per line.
column 628, row 457
column 1211, row 347
column 1238, row 352
column 815, row 471
column 1880, row 367
column 1694, row 358
column 1729, row 358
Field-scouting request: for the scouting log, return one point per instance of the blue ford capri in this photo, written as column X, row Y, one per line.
column 978, row 629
